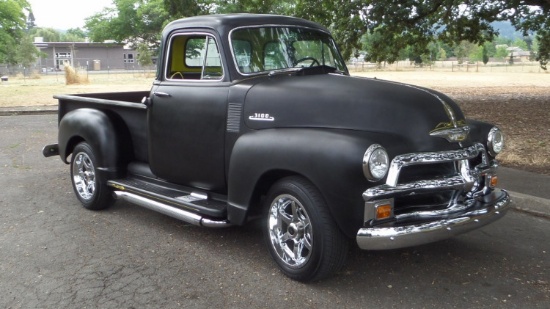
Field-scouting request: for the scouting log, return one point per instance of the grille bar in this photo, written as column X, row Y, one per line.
column 432, row 157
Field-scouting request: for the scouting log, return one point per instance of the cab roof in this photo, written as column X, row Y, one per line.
column 223, row 24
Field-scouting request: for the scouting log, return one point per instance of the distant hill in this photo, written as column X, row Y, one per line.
column 505, row 29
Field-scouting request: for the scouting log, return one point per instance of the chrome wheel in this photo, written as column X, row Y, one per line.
column 84, row 179
column 295, row 210
column 90, row 187
column 290, row 231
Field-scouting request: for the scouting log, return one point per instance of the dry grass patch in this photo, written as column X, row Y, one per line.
column 72, row 77
column 40, row 92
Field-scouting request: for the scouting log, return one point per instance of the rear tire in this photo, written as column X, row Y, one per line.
column 300, row 233
column 90, row 189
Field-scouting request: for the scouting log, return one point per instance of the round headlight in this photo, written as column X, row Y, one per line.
column 375, row 163
column 495, row 141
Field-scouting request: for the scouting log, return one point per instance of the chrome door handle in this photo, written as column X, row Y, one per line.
column 162, row 94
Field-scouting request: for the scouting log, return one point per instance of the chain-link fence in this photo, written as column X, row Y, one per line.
column 451, row 66
column 89, row 67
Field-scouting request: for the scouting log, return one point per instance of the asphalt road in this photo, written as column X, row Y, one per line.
column 56, row 254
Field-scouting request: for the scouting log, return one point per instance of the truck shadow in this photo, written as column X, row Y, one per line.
column 432, row 262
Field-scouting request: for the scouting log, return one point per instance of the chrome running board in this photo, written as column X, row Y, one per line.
column 171, row 211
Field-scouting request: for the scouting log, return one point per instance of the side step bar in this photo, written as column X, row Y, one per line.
column 171, row 211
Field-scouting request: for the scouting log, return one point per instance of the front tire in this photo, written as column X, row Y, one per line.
column 90, row 189
column 301, row 236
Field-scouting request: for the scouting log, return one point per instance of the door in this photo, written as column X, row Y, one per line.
column 186, row 119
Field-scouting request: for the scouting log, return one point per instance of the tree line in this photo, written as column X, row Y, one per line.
column 465, row 51
column 386, row 30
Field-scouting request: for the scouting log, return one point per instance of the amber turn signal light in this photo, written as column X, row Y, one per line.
column 383, row 212
column 494, row 181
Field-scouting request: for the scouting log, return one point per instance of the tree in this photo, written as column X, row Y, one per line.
column 543, row 52
column 52, row 35
column 394, row 24
column 415, row 22
column 26, row 52
column 13, row 22
column 442, row 54
column 74, row 35
column 521, row 44
column 501, row 53
column 48, row 34
column 129, row 20
column 187, row 8
column 465, row 50
column 145, row 57
column 484, row 55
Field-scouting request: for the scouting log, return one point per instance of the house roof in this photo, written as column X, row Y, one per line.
column 77, row 44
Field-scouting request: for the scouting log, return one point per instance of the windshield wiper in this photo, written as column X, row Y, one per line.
column 318, row 69
column 284, row 71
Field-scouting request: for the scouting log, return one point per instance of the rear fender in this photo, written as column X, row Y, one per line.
column 102, row 132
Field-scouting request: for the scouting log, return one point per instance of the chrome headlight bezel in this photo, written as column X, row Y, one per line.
column 376, row 163
column 495, row 141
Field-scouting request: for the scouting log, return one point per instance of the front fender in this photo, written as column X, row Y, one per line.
column 98, row 130
column 330, row 159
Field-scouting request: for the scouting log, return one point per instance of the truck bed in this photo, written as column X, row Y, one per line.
column 125, row 108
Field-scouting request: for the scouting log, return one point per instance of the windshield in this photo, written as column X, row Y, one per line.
column 264, row 49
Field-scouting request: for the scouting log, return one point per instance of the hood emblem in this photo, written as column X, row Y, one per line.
column 452, row 132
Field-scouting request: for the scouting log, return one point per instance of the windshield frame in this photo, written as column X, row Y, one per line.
column 320, row 30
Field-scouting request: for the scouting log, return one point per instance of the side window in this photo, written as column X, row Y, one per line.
column 193, row 57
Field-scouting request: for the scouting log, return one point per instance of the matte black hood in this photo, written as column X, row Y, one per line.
column 352, row 103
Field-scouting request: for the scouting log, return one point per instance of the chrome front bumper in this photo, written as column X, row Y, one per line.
column 382, row 238
column 480, row 203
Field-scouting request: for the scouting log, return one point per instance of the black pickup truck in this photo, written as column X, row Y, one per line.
column 256, row 116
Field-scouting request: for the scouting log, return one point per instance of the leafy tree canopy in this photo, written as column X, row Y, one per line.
column 53, row 35
column 393, row 25
column 417, row 22
column 47, row 34
column 13, row 22
column 26, row 53
column 132, row 20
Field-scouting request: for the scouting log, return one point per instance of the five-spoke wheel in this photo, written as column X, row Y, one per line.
column 83, row 176
column 88, row 185
column 302, row 237
column 290, row 230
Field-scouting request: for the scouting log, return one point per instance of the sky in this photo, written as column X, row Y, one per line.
column 65, row 14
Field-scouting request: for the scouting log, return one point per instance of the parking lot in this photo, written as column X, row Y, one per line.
column 56, row 254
